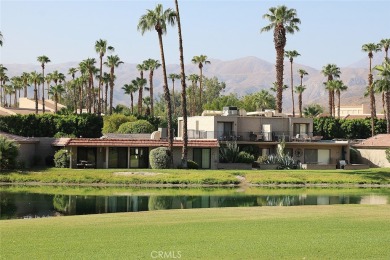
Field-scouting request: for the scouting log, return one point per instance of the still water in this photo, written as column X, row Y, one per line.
column 30, row 203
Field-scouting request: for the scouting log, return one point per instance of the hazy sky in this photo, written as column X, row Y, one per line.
column 65, row 31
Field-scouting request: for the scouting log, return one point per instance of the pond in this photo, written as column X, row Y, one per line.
column 33, row 202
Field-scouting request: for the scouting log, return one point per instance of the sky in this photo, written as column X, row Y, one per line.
column 66, row 31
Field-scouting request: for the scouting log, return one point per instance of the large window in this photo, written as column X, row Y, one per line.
column 87, row 154
column 301, row 129
column 202, row 156
column 139, row 157
column 320, row 156
column 117, row 157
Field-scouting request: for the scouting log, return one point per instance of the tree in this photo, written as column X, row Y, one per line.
column 384, row 77
column 183, row 90
column 139, row 83
column 200, row 60
column 258, row 101
column 282, row 20
column 56, row 91
column 25, row 79
column 129, row 90
column 338, row 86
column 331, row 71
column 194, row 80
column 88, row 68
column 299, row 90
column 35, row 78
column 291, row 55
column 101, row 48
column 158, row 19
column 17, row 85
column 302, row 73
column 106, row 81
column 72, row 72
column 141, row 68
column 172, row 77
column 1, row 39
column 9, row 151
column 152, row 65
column 43, row 60
column 384, row 43
column 370, row 48
column 3, row 78
column 312, row 110
column 113, row 61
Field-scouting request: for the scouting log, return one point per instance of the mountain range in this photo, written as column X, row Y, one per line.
column 242, row 76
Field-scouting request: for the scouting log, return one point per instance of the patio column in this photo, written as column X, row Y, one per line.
column 107, row 151
column 128, row 157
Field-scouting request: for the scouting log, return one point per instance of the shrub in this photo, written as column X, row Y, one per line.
column 62, row 159
column 62, row 134
column 229, row 153
column 192, row 165
column 244, row 157
column 137, row 127
column 286, row 162
column 159, row 158
column 9, row 151
column 111, row 123
column 388, row 154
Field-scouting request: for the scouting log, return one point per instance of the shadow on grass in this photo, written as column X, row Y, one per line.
column 381, row 175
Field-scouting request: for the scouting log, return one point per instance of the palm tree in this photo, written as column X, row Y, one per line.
column 282, row 20
column 56, row 91
column 130, row 89
column 141, row 68
column 25, row 79
column 17, row 85
column 172, row 77
column 152, row 65
column 338, row 86
column 1, row 39
column 331, row 71
column 194, row 80
column 299, row 90
column 380, row 87
column 140, row 84
column 264, row 99
column 200, row 60
column 113, row 61
column 312, row 110
column 35, row 78
column 384, row 74
column 183, row 91
column 43, row 60
column 302, row 73
column 106, row 81
column 370, row 48
column 384, row 43
column 101, row 48
column 146, row 101
column 157, row 19
column 8, row 89
column 3, row 76
column 88, row 66
column 291, row 55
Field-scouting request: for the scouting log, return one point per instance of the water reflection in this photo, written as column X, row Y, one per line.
column 27, row 205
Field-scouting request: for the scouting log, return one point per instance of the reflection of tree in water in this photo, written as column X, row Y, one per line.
column 280, row 201
column 7, row 206
column 160, row 202
column 237, row 201
column 61, row 203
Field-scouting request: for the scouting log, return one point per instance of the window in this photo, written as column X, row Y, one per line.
column 139, row 157
column 320, row 156
column 117, row 157
column 301, row 129
column 202, row 156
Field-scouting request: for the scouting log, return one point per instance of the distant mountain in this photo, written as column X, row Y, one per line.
column 242, row 76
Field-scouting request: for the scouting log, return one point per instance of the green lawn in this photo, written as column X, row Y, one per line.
column 300, row 232
column 199, row 177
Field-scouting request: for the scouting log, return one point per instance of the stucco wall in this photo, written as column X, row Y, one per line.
column 26, row 154
column 373, row 157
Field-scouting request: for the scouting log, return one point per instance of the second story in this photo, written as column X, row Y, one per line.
column 237, row 124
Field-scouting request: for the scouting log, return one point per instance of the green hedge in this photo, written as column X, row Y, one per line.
column 159, row 158
column 137, row 127
column 47, row 125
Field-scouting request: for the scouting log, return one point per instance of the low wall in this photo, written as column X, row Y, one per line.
column 356, row 167
column 308, row 166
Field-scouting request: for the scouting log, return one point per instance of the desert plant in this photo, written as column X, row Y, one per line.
column 192, row 165
column 62, row 159
column 286, row 162
column 159, row 158
column 9, row 151
column 229, row 153
column 244, row 157
column 388, row 154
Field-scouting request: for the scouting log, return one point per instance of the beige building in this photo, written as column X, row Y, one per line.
column 27, row 106
column 372, row 150
column 356, row 111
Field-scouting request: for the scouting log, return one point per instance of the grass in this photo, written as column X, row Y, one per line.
column 301, row 232
column 374, row 176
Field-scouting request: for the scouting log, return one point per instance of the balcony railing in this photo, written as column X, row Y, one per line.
column 274, row 136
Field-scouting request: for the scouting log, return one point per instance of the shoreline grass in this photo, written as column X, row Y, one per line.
column 300, row 232
column 177, row 177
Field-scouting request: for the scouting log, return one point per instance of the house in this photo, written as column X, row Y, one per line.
column 357, row 112
column 372, row 150
column 263, row 131
column 27, row 106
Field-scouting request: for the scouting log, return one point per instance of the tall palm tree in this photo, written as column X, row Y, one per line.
column 338, row 86
column 35, row 78
column 282, row 20
column 25, row 79
column 101, row 48
column 56, row 91
column 43, row 60
column 384, row 77
column 152, row 65
column 380, row 87
column 299, row 90
column 140, row 84
column 141, row 68
column 200, row 60
column 312, row 110
column 370, row 48
column 16, row 84
column 183, row 91
column 385, row 43
column 331, row 71
column 113, row 61
column 8, row 90
column 158, row 19
column 130, row 89
column 291, row 55
column 3, row 76
column 263, row 99
column 172, row 77
column 106, row 81
column 72, row 72
column 194, row 78
column 302, row 73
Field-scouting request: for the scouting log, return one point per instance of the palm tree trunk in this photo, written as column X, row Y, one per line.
column 99, row 109
column 81, row 98
column 333, row 103
column 15, row 97
column 292, row 89
column 25, row 92
column 131, row 102
column 111, row 88
column 173, row 97
column 384, row 104
column 183, row 92
column 300, row 104
column 55, row 102
column 388, row 111
column 36, row 98
column 105, row 99
column 279, row 79
column 200, row 91
column 338, row 109
column 167, row 99
column 151, row 92
column 43, row 90
column 140, row 94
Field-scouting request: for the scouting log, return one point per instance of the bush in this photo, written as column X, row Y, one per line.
column 62, row 134
column 137, row 127
column 229, row 154
column 159, row 158
column 111, row 123
column 244, row 157
column 192, row 165
column 9, row 151
column 62, row 159
column 388, row 154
